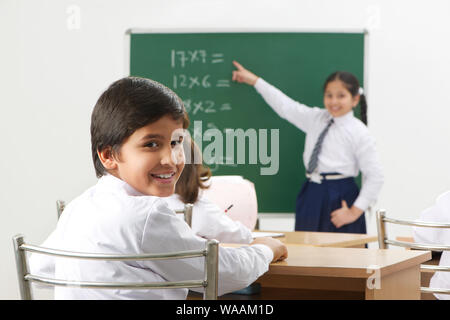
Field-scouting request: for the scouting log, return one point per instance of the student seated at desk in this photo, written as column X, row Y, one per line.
column 208, row 220
column 439, row 213
column 136, row 135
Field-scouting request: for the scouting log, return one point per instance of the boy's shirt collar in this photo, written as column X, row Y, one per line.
column 108, row 180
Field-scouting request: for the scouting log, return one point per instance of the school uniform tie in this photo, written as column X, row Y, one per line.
column 312, row 165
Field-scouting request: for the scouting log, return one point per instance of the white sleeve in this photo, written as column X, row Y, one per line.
column 439, row 213
column 372, row 172
column 210, row 222
column 41, row 264
column 164, row 232
column 298, row 114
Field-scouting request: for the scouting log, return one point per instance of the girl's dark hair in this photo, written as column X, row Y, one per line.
column 193, row 177
column 352, row 85
column 127, row 105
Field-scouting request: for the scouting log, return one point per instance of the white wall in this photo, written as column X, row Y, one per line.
column 51, row 76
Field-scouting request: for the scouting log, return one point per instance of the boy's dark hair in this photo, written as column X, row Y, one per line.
column 352, row 84
column 127, row 105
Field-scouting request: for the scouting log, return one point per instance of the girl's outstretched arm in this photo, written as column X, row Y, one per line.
column 298, row 114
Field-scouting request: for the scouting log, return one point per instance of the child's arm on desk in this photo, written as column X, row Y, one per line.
column 278, row 248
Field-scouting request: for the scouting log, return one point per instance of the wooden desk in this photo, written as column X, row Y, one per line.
column 341, row 273
column 344, row 273
column 326, row 239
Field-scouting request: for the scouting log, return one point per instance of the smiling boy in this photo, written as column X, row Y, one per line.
column 151, row 159
column 136, row 137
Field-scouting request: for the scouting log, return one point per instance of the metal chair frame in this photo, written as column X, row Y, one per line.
column 187, row 211
column 209, row 283
column 383, row 243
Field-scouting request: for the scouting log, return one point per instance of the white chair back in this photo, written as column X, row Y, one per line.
column 237, row 191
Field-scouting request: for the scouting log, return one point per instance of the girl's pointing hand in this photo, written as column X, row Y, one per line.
column 243, row 75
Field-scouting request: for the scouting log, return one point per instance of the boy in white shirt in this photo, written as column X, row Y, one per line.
column 137, row 131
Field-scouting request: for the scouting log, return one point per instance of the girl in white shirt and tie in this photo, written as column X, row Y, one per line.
column 337, row 147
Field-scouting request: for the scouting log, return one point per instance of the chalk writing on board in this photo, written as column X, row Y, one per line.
column 206, row 106
column 196, row 81
column 217, row 58
column 225, row 107
column 181, row 58
column 223, row 83
column 187, row 81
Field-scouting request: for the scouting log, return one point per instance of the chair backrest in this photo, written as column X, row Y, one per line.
column 383, row 243
column 210, row 281
column 237, row 191
column 187, row 211
column 60, row 205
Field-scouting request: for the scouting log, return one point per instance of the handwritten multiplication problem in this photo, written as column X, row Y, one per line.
column 206, row 106
column 195, row 81
column 181, row 58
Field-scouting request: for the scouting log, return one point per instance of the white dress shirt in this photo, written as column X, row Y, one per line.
column 439, row 213
column 210, row 222
column 347, row 148
column 112, row 217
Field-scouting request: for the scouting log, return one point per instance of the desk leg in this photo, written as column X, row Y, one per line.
column 401, row 285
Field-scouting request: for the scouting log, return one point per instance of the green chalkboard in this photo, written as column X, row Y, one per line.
column 198, row 67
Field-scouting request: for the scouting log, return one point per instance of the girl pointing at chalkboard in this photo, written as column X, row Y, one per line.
column 337, row 147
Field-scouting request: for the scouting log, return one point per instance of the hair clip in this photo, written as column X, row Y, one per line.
column 360, row 91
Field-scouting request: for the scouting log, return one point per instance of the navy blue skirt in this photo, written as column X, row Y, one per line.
column 316, row 202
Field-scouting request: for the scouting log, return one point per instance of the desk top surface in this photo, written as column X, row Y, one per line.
column 346, row 262
column 326, row 239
